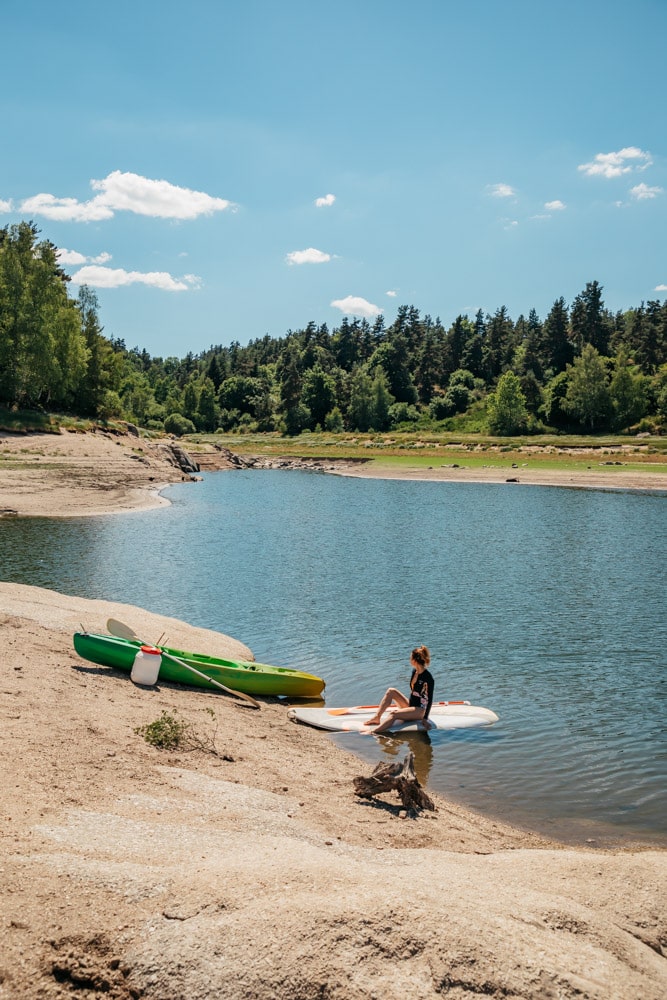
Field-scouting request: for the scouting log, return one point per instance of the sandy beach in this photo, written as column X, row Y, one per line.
column 72, row 475
column 128, row 871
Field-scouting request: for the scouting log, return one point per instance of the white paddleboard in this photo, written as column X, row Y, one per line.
column 443, row 715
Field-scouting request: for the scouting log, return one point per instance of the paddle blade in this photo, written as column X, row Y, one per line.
column 120, row 629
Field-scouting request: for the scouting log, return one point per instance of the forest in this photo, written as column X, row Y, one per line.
column 579, row 369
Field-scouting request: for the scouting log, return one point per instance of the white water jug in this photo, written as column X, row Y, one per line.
column 146, row 666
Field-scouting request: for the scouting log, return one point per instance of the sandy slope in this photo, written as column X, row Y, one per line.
column 130, row 872
column 70, row 474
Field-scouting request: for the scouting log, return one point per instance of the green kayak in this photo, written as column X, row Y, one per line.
column 241, row 675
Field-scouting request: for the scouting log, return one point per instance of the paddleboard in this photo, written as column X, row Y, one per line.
column 443, row 715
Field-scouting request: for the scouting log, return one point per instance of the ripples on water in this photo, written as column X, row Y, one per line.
column 547, row 605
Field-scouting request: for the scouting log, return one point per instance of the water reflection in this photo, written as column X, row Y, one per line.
column 420, row 745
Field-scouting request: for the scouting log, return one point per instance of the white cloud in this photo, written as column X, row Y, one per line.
column 74, row 257
column 127, row 192
column 615, row 164
column 327, row 200
column 391, row 293
column 555, row 206
column 5, row 206
column 193, row 280
column 116, row 277
column 643, row 192
column 309, row 256
column 501, row 191
column 133, row 193
column 66, row 209
column 660, row 288
column 356, row 306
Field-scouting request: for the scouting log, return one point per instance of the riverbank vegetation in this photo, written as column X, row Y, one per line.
column 582, row 369
column 414, row 450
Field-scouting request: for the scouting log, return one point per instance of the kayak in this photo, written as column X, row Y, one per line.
column 241, row 675
column 443, row 715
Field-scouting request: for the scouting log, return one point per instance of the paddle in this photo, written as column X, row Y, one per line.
column 123, row 631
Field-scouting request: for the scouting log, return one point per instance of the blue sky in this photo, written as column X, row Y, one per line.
column 221, row 170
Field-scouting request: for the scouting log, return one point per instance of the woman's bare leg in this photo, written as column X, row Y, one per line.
column 392, row 694
column 402, row 714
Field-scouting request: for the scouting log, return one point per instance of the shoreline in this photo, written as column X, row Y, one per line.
column 146, row 873
column 79, row 475
column 648, row 482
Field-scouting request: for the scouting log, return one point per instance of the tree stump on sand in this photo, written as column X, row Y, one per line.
column 400, row 777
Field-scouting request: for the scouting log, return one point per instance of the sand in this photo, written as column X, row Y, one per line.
column 72, row 474
column 128, row 871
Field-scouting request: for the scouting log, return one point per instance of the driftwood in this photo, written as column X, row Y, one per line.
column 400, row 777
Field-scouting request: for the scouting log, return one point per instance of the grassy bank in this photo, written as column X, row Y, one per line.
column 421, row 451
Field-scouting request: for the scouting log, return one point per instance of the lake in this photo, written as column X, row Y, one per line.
column 547, row 605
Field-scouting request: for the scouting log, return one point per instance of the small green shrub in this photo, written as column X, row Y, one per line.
column 170, row 732
column 166, row 733
column 177, row 424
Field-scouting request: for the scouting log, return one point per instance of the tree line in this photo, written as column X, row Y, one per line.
column 581, row 368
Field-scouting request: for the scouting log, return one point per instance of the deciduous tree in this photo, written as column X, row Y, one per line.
column 506, row 407
column 588, row 398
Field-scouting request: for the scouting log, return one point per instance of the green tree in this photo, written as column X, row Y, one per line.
column 360, row 412
column 98, row 375
column 554, row 349
column 462, row 376
column 427, row 371
column 240, row 392
column 190, row 401
column 660, row 388
column 456, row 340
column 393, row 357
column 553, row 405
column 177, row 424
column 382, row 400
column 318, row 393
column 506, row 408
column 208, row 411
column 214, row 372
column 288, row 370
column 647, row 335
column 497, row 344
column 333, row 422
column 628, row 393
column 472, row 358
column 297, row 418
column 42, row 349
column 588, row 398
column 589, row 320
column 403, row 413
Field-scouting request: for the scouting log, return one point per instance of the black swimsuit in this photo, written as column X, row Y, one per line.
column 421, row 690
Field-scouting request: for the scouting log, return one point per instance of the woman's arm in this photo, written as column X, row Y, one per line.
column 430, row 687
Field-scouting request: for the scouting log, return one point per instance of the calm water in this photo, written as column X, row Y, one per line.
column 546, row 605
